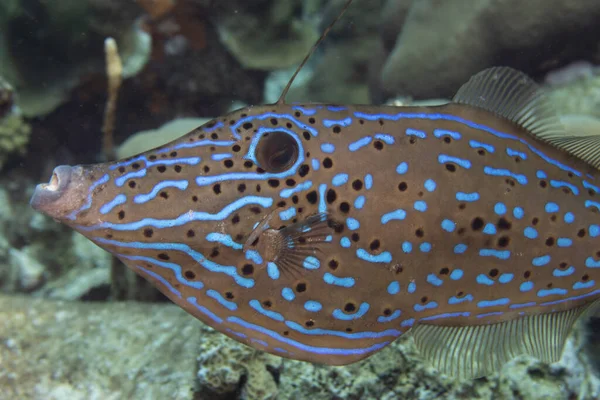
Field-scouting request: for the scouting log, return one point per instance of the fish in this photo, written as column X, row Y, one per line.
column 324, row 232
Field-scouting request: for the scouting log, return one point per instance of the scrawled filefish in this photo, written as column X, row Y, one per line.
column 324, row 232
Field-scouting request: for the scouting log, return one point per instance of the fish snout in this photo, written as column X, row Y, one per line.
column 62, row 194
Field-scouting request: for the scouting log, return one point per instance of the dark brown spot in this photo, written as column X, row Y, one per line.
column 550, row 241
column 378, row 145
column 161, row 168
column 419, row 233
column 581, row 233
column 177, row 168
column 444, row 271
column 189, row 274
column 148, row 232
column 309, row 323
column 273, row 183
column 303, row 170
column 241, row 187
column 228, row 163
column 527, row 274
column 164, row 195
column 301, row 287
column 477, row 223
column 503, row 224
column 337, row 129
column 248, row 269
column 132, row 184
column 402, row 186
column 190, row 233
column 217, row 188
column 164, row 256
column 121, row 214
column 135, row 166
column 214, row 253
column 331, row 196
column 503, row 241
column 493, row 272
column 312, row 197
column 375, row 244
column 349, row 307
column 327, row 163
column 333, row 264
column 357, row 184
column 267, row 304
column 355, row 237
column 344, row 207
column 235, row 219
column 451, row 167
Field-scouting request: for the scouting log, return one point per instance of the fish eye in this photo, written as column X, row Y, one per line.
column 276, row 151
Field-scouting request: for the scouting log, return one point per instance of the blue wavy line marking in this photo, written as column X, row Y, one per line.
column 331, row 279
column 254, row 256
column 523, row 305
column 439, row 133
column 479, row 145
column 143, row 198
column 501, row 254
column 118, row 200
column 583, row 296
column 230, row 305
column 193, row 301
column 176, row 268
column 148, row 163
column 385, row 138
column 183, row 219
column 444, row 158
column 88, row 202
column 304, row 347
column 522, row 179
column 160, row 279
column 552, row 292
column 414, row 132
column 384, row 257
column 211, row 266
column 322, row 204
column 445, row 315
column 354, row 146
column 314, row 132
column 305, row 111
column 220, row 156
column 466, row 122
column 513, row 152
column 490, row 314
column 393, row 215
column 560, row 184
column 255, row 304
column 328, row 123
column 285, row 193
column 362, row 310
column 120, row 181
column 493, row 303
column 224, row 239
column 383, row 319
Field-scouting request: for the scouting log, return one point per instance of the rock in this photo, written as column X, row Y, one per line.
column 14, row 135
column 30, row 271
column 442, row 44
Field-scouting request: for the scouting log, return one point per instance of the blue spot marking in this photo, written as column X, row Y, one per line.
column 457, row 300
column 590, row 203
column 390, row 317
column 500, row 208
column 407, row 323
column 345, row 242
column 328, row 123
column 354, row 146
column 331, row 279
column 444, row 158
column 185, row 217
column 385, row 138
column 204, row 310
column 315, row 164
column 522, row 179
column 500, row 254
column 438, row 133
column 434, row 280
column 526, row 286
column 588, row 185
column 541, row 174
column 560, row 184
column 337, row 108
column 412, row 287
column 425, row 247
column 254, row 256
column 541, row 261
column 490, row 229
column 591, row 263
column 530, row 233
column 483, row 279
column 394, row 215
column 518, row 212
column 285, row 193
column 162, row 280
column 422, row 307
column 287, row 214
column 460, row 248
column 505, row 278
column 230, row 305
column 327, row 148
column 313, row 306
column 567, row 272
column 268, row 313
column 393, row 287
column 569, row 217
column 224, row 239
column 402, row 168
column 362, row 310
column 272, row 270
column 407, row 247
column 196, row 256
column 479, row 145
column 359, row 202
column 415, row 132
column 311, row 262
column 456, row 274
column 322, row 205
column 339, row 179
column 288, row 294
column 368, row 181
column 470, row 197
column 594, row 230
column 564, row 242
column 142, row 198
column 448, row 225
column 466, row 122
column 420, row 205
column 221, row 156
column 584, row 285
column 384, row 257
column 311, row 349
column 118, row 200
column 493, row 303
column 551, row 207
column 551, row 292
column 120, row 181
column 512, row 153
column 430, row 185
column 352, row 224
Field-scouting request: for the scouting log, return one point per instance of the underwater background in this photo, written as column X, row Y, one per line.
column 76, row 324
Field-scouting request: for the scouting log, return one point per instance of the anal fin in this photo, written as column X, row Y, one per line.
column 468, row 352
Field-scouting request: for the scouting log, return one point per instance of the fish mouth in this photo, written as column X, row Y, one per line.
column 62, row 194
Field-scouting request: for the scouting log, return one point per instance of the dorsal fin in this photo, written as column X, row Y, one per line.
column 311, row 51
column 513, row 95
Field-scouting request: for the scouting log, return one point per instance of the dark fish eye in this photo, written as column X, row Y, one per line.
column 276, row 151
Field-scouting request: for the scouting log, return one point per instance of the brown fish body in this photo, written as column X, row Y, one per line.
column 323, row 232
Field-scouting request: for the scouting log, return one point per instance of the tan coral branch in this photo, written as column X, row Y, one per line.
column 114, row 72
